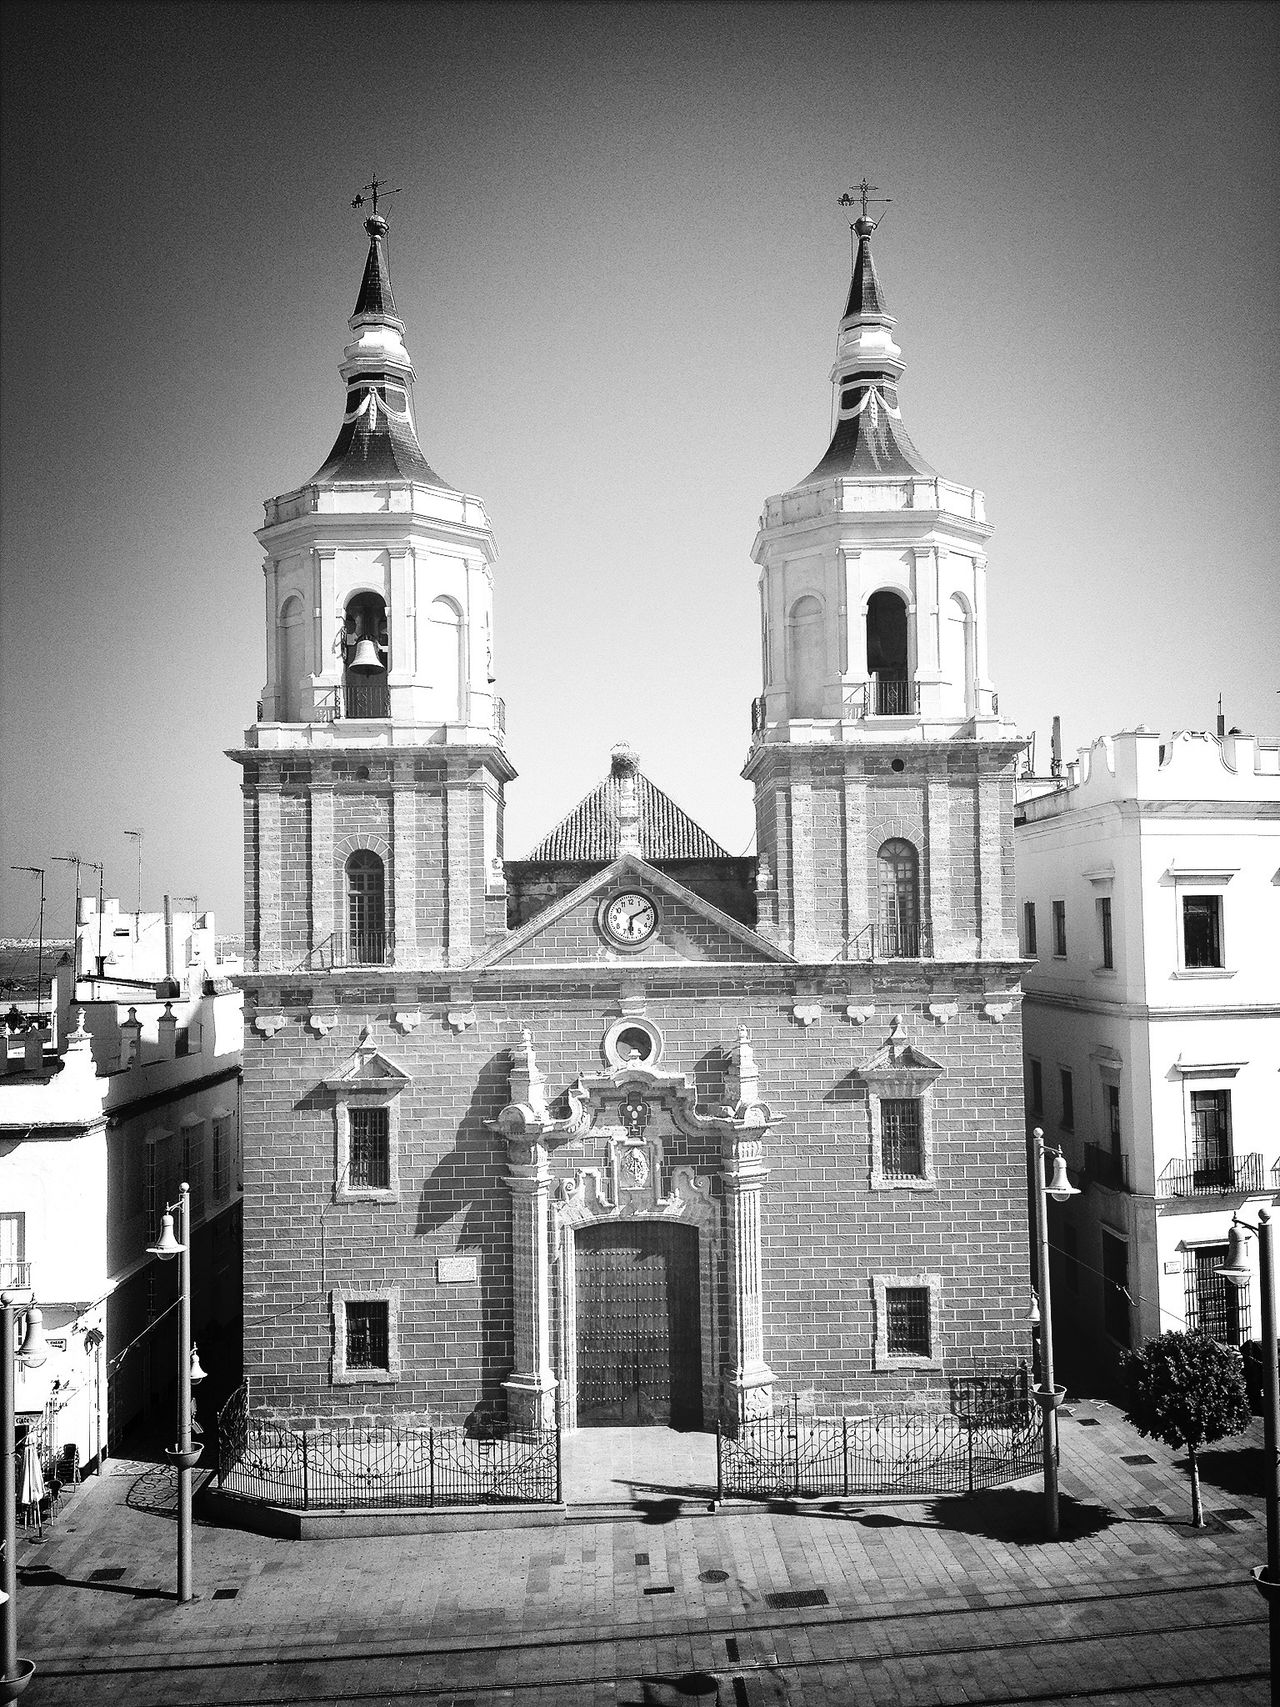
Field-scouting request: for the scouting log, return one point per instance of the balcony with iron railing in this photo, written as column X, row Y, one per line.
column 1221, row 1177
column 351, row 948
column 883, row 697
column 889, row 942
column 15, row 1276
column 1104, row 1167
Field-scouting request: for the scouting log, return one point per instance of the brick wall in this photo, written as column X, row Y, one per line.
column 824, row 1231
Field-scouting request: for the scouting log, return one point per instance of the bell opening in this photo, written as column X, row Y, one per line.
column 366, row 656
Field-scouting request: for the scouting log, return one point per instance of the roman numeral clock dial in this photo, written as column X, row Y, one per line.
column 629, row 919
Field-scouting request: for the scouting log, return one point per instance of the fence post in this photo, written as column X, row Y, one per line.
column 795, row 1426
column 969, row 1439
column 431, row 1459
column 305, row 1477
column 844, row 1452
column 559, row 1464
column 719, row 1462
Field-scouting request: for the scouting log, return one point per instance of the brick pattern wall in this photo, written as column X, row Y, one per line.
column 824, row 1232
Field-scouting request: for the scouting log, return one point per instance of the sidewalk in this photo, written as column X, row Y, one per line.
column 825, row 1603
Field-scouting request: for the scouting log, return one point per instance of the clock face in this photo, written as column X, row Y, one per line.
column 629, row 919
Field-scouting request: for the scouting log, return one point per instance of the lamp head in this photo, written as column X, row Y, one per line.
column 166, row 1245
column 1060, row 1187
column 197, row 1373
column 34, row 1348
column 1236, row 1268
column 1033, row 1314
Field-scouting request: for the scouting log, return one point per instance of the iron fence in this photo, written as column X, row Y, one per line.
column 885, row 1452
column 383, row 1463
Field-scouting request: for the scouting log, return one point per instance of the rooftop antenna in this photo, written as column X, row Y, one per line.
column 77, row 861
column 136, row 835
column 1222, row 722
column 862, row 192
column 1055, row 748
column 37, row 871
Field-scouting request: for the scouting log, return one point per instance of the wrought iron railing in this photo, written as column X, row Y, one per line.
column 1103, row 1167
column 15, row 1276
column 888, row 942
column 886, row 1452
column 1219, row 1178
column 366, row 699
column 354, row 948
column 383, row 1463
column 881, row 698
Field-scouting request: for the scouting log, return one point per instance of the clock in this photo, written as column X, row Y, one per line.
column 628, row 919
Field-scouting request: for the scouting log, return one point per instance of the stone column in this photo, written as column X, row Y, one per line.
column 404, row 863
column 324, row 919
column 459, row 873
column 748, row 1378
column 531, row 1386
column 270, row 874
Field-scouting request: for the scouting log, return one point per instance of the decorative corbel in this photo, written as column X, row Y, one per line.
column 858, row 1015
column 267, row 1025
column 944, row 1012
column 321, row 1023
column 997, row 1011
column 460, row 1018
column 406, row 1021
column 808, row 1013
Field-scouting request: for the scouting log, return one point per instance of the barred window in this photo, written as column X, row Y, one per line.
column 907, row 1321
column 221, row 1158
column 368, row 1336
column 901, row 1149
column 370, row 1168
column 1060, row 929
column 1214, row 1305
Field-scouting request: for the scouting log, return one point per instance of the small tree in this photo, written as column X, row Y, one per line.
column 1186, row 1390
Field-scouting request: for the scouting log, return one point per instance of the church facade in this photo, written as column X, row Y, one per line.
column 628, row 1131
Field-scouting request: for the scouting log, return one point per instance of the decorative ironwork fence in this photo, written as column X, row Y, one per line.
column 383, row 1463
column 885, row 1452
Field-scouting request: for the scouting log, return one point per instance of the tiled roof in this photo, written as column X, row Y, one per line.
column 865, row 295
column 873, row 441
column 590, row 832
column 377, row 445
column 375, row 287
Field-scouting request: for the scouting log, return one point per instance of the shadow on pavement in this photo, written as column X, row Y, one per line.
column 44, row 1576
column 1238, row 1470
column 1017, row 1515
column 671, row 1691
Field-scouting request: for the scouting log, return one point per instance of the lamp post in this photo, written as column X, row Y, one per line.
column 1236, row 1271
column 1048, row 1397
column 183, row 1454
column 15, row 1674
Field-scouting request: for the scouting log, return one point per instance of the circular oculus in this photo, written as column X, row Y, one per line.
column 629, row 919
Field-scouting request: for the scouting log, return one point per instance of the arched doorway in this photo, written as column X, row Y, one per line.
column 639, row 1334
column 887, row 655
column 366, row 909
column 899, row 896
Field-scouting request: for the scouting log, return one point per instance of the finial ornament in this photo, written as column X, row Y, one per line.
column 373, row 189
column 864, row 225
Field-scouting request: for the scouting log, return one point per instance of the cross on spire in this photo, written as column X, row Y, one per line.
column 372, row 188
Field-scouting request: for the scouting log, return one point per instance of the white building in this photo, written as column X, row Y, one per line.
column 132, row 1086
column 1149, row 901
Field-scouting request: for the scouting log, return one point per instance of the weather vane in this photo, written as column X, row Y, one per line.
column 372, row 189
column 862, row 192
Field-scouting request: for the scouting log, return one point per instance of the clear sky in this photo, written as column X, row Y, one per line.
column 620, row 260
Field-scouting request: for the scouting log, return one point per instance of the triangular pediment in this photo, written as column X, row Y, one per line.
column 369, row 1071
column 899, row 1061
column 688, row 930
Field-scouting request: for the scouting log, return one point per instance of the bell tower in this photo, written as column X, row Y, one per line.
column 374, row 774
column 882, row 770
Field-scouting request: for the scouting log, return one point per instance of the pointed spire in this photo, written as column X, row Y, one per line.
column 377, row 440
column 375, row 299
column 870, row 440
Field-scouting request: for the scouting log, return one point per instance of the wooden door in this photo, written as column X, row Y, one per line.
column 639, row 1326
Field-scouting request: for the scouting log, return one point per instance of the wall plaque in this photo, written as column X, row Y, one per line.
column 451, row 1270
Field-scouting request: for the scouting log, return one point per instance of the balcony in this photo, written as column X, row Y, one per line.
column 889, row 942
column 358, row 948
column 1220, row 1177
column 881, row 697
column 15, row 1276
column 1103, row 1167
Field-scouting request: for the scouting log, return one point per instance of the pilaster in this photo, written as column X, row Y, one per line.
column 748, row 1380
column 404, row 864
column 531, row 1386
column 324, row 921
column 459, row 875
column 938, row 829
column 270, row 895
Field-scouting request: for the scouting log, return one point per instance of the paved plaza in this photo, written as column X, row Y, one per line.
column 646, row 1598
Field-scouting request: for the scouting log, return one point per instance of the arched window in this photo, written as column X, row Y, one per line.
column 806, row 662
column 444, row 661
column 366, row 910
column 366, row 657
column 291, row 662
column 887, row 655
column 958, row 663
column 898, row 936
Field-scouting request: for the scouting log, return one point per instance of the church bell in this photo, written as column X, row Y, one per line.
column 365, row 659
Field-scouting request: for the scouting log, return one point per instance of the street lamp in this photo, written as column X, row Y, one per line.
column 1236, row 1270
column 184, row 1455
column 15, row 1674
column 1048, row 1397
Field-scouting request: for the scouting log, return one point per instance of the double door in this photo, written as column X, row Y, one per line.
column 638, row 1326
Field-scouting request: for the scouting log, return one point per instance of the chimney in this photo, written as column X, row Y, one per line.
column 623, row 765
